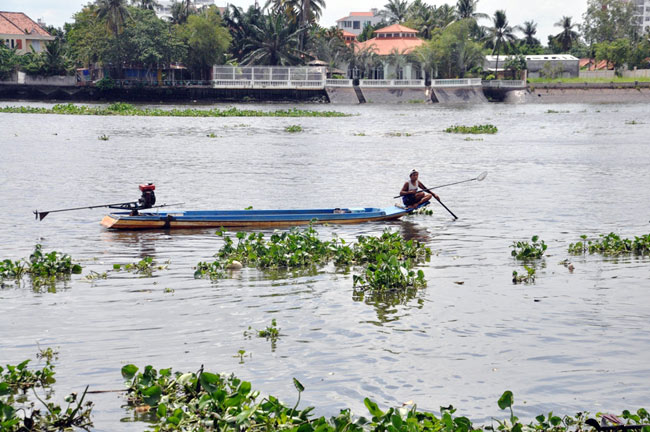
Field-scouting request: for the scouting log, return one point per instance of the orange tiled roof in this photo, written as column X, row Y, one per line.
column 594, row 65
column 362, row 14
column 17, row 23
column 347, row 33
column 396, row 28
column 384, row 46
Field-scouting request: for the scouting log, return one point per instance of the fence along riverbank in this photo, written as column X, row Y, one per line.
column 310, row 84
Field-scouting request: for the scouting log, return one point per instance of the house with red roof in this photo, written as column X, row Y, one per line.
column 356, row 21
column 20, row 32
column 391, row 40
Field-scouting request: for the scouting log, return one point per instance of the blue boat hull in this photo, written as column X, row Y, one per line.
column 248, row 218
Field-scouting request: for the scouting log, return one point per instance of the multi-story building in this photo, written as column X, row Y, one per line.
column 643, row 14
column 356, row 21
column 20, row 32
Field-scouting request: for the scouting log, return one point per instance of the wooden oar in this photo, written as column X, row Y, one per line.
column 41, row 215
column 480, row 177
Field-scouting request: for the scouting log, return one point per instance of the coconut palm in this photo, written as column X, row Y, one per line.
column 115, row 12
column 182, row 10
column 396, row 10
column 529, row 29
column 567, row 36
column 363, row 59
column 145, row 4
column 273, row 41
column 500, row 35
column 446, row 15
column 398, row 59
column 467, row 9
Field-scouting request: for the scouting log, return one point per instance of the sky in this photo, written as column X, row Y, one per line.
column 545, row 12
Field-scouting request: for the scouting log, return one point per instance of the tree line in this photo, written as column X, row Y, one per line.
column 116, row 35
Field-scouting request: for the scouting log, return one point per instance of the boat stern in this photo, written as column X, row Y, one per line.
column 109, row 221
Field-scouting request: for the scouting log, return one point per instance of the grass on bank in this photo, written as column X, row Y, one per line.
column 125, row 109
column 587, row 80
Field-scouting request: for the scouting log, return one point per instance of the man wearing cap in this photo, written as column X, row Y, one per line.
column 410, row 195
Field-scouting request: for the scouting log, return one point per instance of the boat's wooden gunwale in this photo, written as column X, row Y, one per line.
column 173, row 220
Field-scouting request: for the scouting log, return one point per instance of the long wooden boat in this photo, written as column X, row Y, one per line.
column 248, row 218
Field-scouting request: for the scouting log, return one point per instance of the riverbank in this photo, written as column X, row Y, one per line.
column 536, row 92
column 587, row 92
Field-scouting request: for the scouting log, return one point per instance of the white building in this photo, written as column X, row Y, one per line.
column 356, row 21
column 164, row 8
column 540, row 66
column 643, row 14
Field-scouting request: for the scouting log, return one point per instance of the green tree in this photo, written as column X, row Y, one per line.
column 396, row 10
column 145, row 4
column 467, row 9
column 608, row 20
column 500, row 35
column 398, row 59
column 328, row 45
column 88, row 38
column 529, row 29
column 616, row 52
column 452, row 52
column 8, row 62
column 181, row 11
column 206, row 41
column 273, row 41
column 241, row 24
column 114, row 12
column 149, row 41
column 567, row 37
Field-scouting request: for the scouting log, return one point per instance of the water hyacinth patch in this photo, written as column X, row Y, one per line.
column 41, row 267
column 389, row 274
column 612, row 244
column 476, row 129
column 523, row 250
column 145, row 266
column 527, row 278
column 125, row 109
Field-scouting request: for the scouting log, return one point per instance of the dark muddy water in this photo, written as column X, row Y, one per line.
column 570, row 342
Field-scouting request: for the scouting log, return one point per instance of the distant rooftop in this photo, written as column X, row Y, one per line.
column 537, row 57
column 17, row 23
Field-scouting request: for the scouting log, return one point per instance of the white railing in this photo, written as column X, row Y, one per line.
column 374, row 83
column 338, row 82
column 505, row 84
column 307, row 84
column 459, row 82
column 231, row 83
column 391, row 83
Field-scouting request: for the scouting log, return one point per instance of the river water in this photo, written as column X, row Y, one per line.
column 571, row 341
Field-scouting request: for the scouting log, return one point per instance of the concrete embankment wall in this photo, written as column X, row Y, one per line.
column 458, row 95
column 588, row 93
column 156, row 94
column 394, row 95
column 342, row 95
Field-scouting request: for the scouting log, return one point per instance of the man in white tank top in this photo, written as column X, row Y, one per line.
column 410, row 195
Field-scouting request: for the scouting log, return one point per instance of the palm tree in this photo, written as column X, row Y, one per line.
column 182, row 10
column 567, row 36
column 467, row 9
column 500, row 35
column 399, row 59
column 273, row 41
column 445, row 14
column 529, row 29
column 240, row 24
column 145, row 4
column 115, row 12
column 396, row 10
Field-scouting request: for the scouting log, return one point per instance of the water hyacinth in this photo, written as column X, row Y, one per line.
column 612, row 244
column 40, row 266
column 125, row 109
column 388, row 258
column 476, row 129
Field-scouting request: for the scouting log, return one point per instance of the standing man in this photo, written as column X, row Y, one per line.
column 410, row 195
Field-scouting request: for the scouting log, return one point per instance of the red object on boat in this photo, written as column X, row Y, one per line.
column 147, row 187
